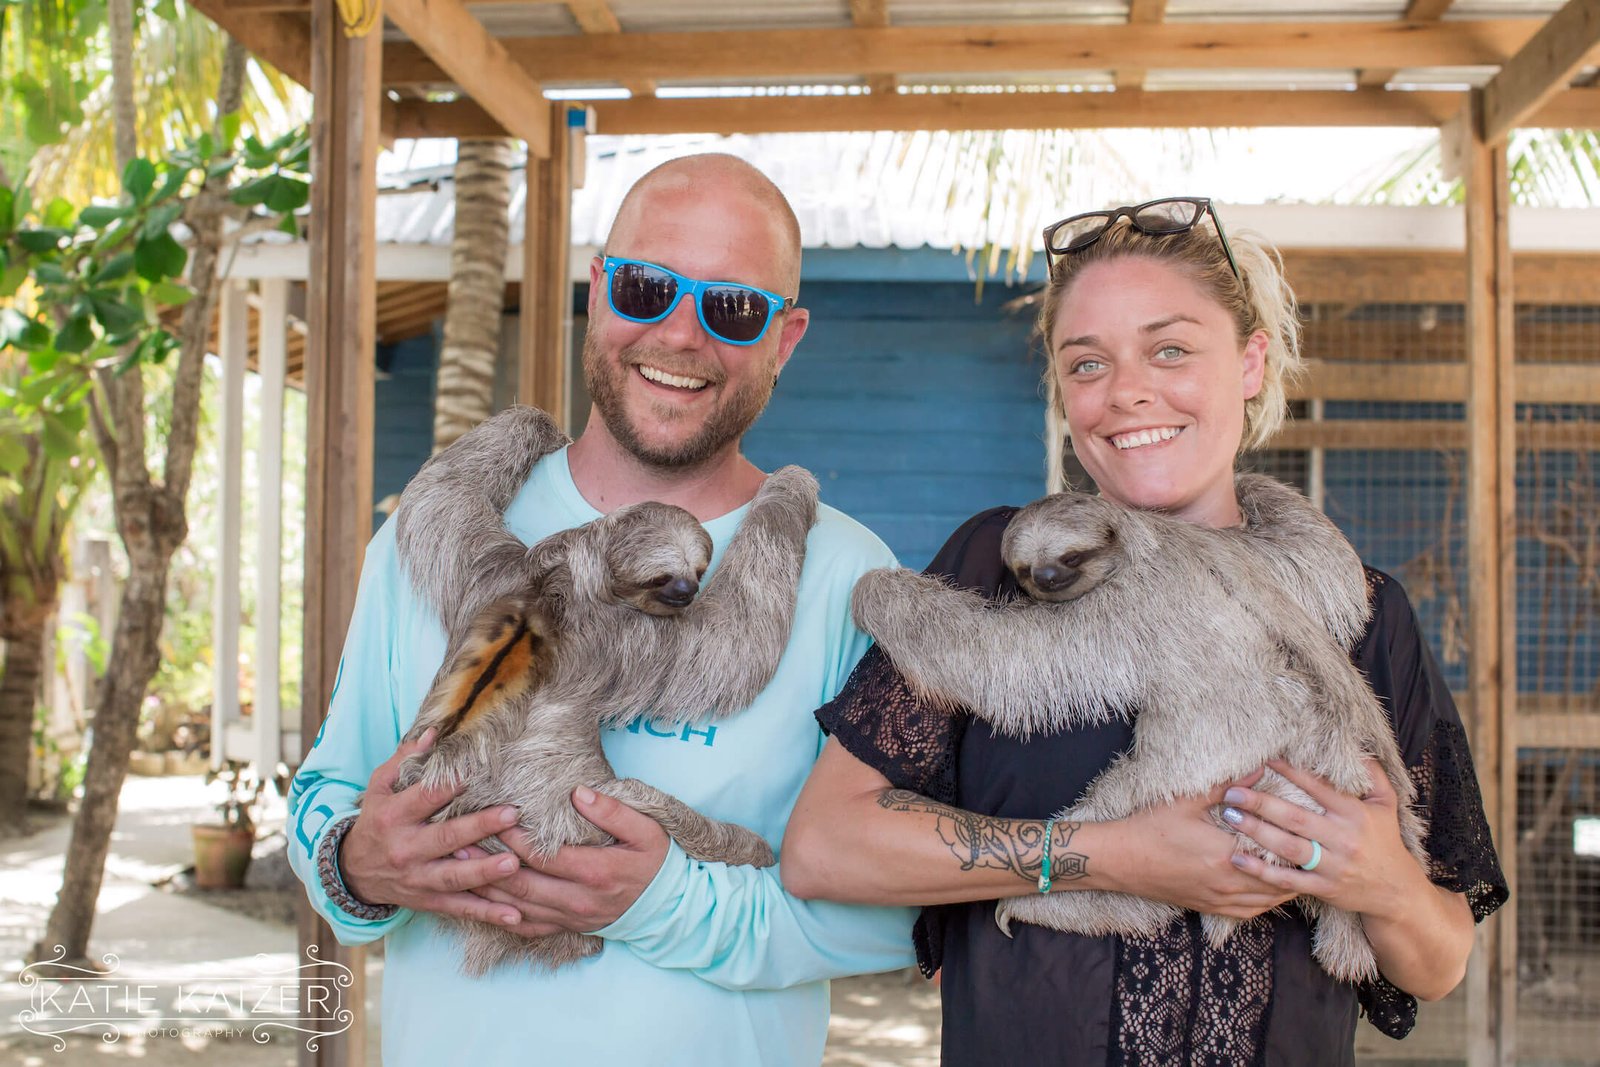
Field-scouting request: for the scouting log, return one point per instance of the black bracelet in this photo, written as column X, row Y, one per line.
column 333, row 885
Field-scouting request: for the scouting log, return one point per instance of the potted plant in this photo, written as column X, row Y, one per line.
column 222, row 850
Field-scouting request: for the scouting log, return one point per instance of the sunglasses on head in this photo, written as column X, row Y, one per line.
column 1158, row 218
column 732, row 313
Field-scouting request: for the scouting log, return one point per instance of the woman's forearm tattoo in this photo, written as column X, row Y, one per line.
column 1015, row 845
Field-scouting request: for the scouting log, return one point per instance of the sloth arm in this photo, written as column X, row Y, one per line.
column 1022, row 665
column 855, row 838
column 726, row 647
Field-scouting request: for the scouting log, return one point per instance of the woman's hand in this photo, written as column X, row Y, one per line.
column 1178, row 855
column 1421, row 933
column 1364, row 865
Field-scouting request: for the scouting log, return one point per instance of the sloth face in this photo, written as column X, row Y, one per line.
column 656, row 555
column 1062, row 546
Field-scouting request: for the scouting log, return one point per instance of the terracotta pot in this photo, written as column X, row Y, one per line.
column 221, row 856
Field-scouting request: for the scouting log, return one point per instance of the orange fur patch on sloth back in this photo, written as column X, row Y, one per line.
column 508, row 652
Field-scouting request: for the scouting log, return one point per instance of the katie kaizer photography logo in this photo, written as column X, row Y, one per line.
column 307, row 1000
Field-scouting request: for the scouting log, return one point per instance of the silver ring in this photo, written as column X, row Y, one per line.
column 1316, row 857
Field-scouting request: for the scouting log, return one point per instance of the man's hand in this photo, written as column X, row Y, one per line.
column 393, row 855
column 582, row 887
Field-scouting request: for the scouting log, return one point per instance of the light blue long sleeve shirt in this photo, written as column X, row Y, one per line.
column 712, row 965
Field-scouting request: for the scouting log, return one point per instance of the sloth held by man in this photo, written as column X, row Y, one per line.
column 1228, row 646
column 586, row 629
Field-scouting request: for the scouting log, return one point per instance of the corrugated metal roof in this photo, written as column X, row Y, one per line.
column 881, row 190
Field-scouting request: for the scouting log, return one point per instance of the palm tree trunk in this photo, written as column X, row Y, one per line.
column 124, row 114
column 19, row 695
column 465, row 393
column 152, row 521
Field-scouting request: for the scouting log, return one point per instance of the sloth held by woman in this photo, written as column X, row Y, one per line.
column 1169, row 351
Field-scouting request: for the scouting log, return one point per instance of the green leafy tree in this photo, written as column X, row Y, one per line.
column 99, row 280
column 87, row 290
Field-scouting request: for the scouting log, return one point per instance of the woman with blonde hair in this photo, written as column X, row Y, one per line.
column 1170, row 349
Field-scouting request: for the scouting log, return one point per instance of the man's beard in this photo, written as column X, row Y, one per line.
column 607, row 379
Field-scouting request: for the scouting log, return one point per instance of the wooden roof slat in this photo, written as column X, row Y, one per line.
column 992, row 49
column 1050, row 110
column 1416, row 11
column 1574, row 108
column 1145, row 12
column 873, row 14
column 1542, row 68
column 1423, row 10
column 479, row 64
column 282, row 40
column 596, row 16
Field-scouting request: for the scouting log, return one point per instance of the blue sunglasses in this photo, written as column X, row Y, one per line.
column 733, row 313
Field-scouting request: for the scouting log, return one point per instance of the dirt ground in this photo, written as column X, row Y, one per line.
column 887, row 1020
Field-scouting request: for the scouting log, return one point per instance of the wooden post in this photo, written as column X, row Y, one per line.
column 234, row 331
column 272, row 327
column 1491, row 573
column 340, row 348
column 544, row 328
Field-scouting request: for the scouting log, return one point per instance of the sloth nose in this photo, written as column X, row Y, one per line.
column 1052, row 577
column 678, row 592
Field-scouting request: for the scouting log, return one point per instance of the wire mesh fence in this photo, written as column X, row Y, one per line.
column 1391, row 471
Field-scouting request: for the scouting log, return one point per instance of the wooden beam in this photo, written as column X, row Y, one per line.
column 1376, row 276
column 1140, row 12
column 596, row 16
column 478, row 63
column 1416, row 11
column 1573, row 109
column 1000, row 111
column 281, row 40
column 1022, row 110
column 1491, row 571
column 1543, row 67
column 272, row 317
column 991, row 49
column 233, row 326
column 346, row 95
column 1426, row 435
column 1574, row 729
column 873, row 14
column 544, row 335
column 1424, row 10
column 1447, row 383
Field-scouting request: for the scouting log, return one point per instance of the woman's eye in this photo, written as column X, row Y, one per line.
column 1086, row 366
column 1169, row 352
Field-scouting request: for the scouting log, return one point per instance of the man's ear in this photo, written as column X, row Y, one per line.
column 795, row 321
column 597, row 281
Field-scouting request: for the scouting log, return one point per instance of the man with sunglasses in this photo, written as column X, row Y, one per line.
column 692, row 316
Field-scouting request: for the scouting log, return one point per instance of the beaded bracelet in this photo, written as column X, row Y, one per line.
column 1044, row 871
column 328, row 874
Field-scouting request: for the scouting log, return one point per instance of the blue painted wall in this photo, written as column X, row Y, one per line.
column 913, row 404
column 403, row 424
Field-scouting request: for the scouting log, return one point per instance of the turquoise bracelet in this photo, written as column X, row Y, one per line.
column 1044, row 871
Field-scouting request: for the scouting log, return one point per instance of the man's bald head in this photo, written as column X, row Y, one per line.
column 721, row 179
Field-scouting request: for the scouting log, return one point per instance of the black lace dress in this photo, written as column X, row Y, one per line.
column 1046, row 997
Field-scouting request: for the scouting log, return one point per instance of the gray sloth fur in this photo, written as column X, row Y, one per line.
column 548, row 644
column 1232, row 644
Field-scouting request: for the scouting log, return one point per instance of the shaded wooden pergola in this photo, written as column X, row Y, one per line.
column 447, row 68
